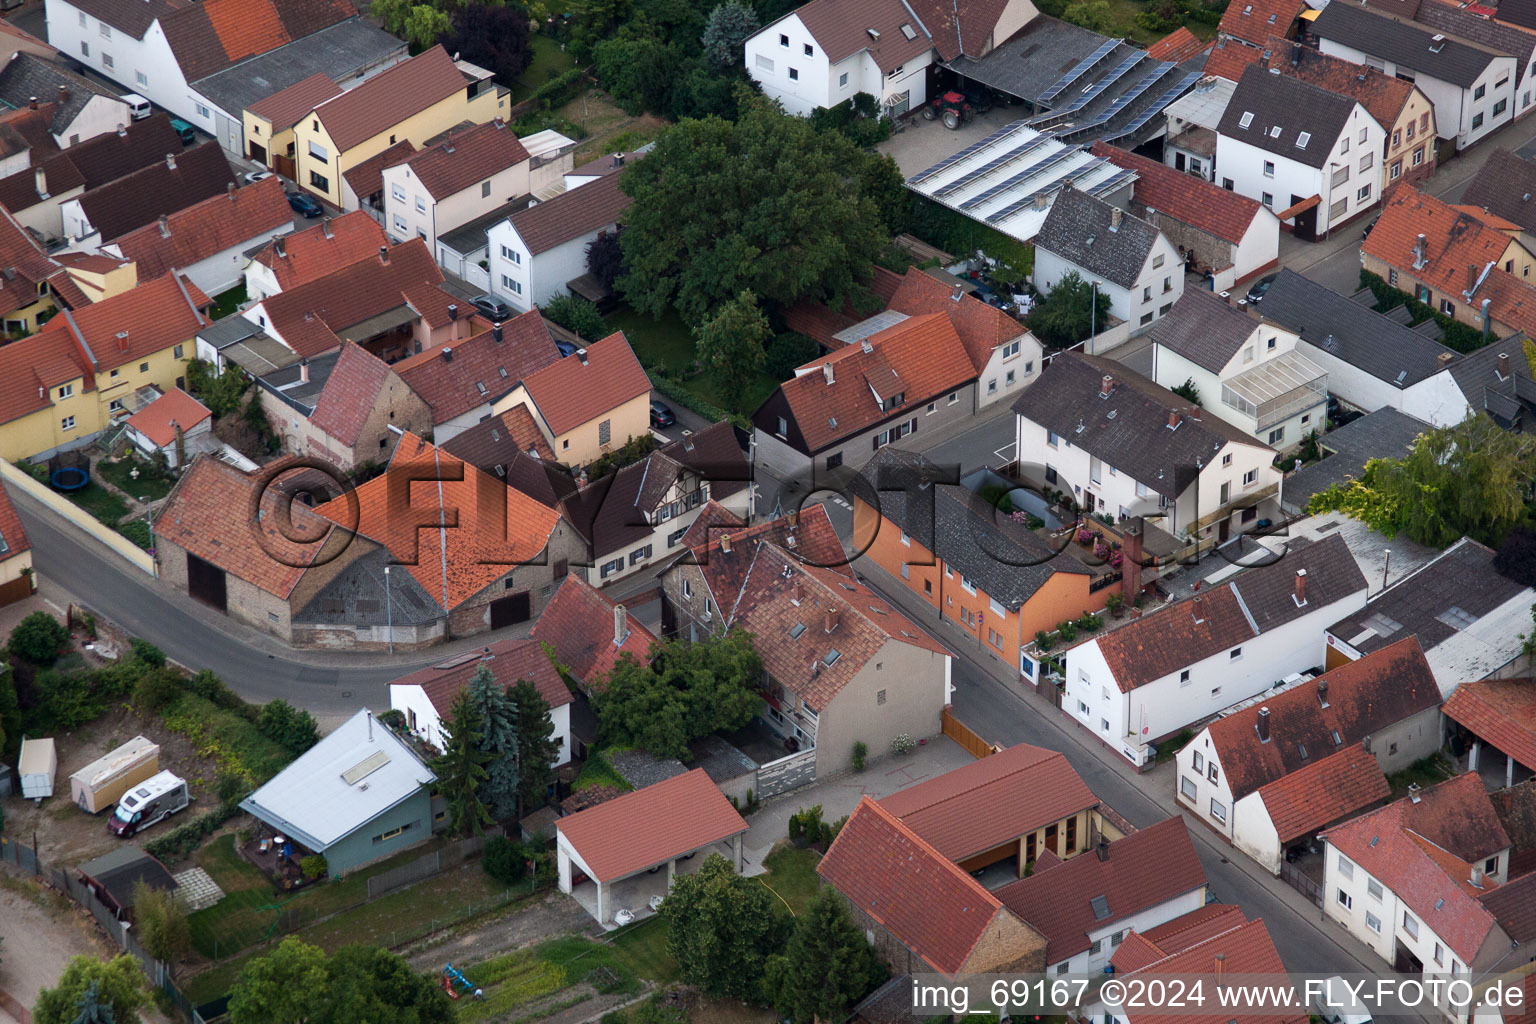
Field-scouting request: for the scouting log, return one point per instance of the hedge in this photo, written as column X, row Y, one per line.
column 682, row 396
column 961, row 236
column 1459, row 336
column 559, row 90
column 183, row 839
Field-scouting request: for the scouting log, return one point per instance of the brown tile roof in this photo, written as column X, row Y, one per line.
column 473, row 371
column 1364, row 697
column 209, row 36
column 1230, row 58
column 367, row 178
column 1501, row 185
column 350, row 392
column 713, row 518
column 389, row 97
column 1178, row 46
column 1323, row 792
column 1499, row 36
column 626, row 835
column 1184, row 197
column 578, row 624
column 135, row 324
column 134, row 19
column 510, row 661
column 323, row 248
column 285, row 107
column 18, row 191
column 841, row 29
column 1382, row 96
column 724, row 553
column 819, row 322
column 581, row 387
column 1513, row 905
column 118, row 207
column 1217, row 619
column 991, row 801
column 496, row 527
column 1500, row 712
column 468, row 157
column 29, row 367
column 497, row 440
column 571, row 214
column 112, row 155
column 1247, row 949
column 1516, row 807
column 1424, row 851
column 205, row 229
column 914, row 892
column 1256, row 20
column 159, row 419
column 13, row 536
column 208, row 514
column 1143, row 948
column 1131, row 875
column 980, row 327
column 21, row 254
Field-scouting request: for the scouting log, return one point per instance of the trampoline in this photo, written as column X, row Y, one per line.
column 69, row 478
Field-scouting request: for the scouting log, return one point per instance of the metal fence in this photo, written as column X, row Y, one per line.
column 424, row 866
column 1298, row 880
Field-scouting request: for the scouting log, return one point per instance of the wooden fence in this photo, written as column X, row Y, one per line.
column 962, row 734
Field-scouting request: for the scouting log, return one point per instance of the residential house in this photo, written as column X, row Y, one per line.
column 497, row 444
column 1232, row 236
column 1087, row 905
column 1190, row 143
column 1406, row 881
column 442, row 187
column 1497, row 34
column 82, row 109
column 1295, row 807
column 639, row 513
column 535, row 251
column 359, row 795
column 1491, row 717
column 1387, row 700
column 589, row 632
column 1123, row 447
column 16, row 574
column 1456, row 259
column 346, row 407
column 1187, row 661
column 314, row 252
column 1248, row 372
column 1464, row 612
column 1385, row 433
column 182, row 179
column 1499, row 188
column 1495, row 380
column 920, row 910
column 170, row 425
column 38, row 284
column 414, row 100
column 1130, row 260
column 426, row 697
column 268, row 123
column 1253, row 23
column 208, row 241
column 362, row 186
column 462, row 381
column 979, row 570
column 1472, row 87
column 841, row 408
column 1307, row 153
column 1018, row 805
column 588, row 403
column 1178, row 46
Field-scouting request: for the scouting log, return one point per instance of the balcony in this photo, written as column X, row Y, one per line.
column 1277, row 389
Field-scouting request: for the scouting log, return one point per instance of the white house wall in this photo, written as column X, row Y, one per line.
column 1089, row 962
column 429, row 725
column 533, row 280
column 994, row 384
column 1137, row 306
column 101, row 114
column 769, row 62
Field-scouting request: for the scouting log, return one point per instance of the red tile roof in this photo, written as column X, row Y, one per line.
column 350, row 393
column 1177, row 46
column 980, row 327
column 1247, row 949
column 159, row 419
column 367, row 178
column 820, row 322
column 481, row 369
column 1186, row 198
column 917, row 894
column 1323, row 792
column 1500, row 712
column 636, row 831
column 713, row 519
column 510, row 660
column 1143, row 948
column 18, row 191
column 31, row 265
column 993, row 800
column 724, row 553
column 31, row 366
column 13, row 536
column 135, row 324
column 1230, row 58
column 1256, row 20
column 390, row 97
column 571, row 214
column 1382, row 96
column 466, row 158
column 841, row 28
column 578, row 624
column 1364, row 697
column 495, row 528
column 208, row 228
column 582, row 387
column 317, row 251
column 1132, row 875
column 285, row 107
column 972, row 23
column 210, row 36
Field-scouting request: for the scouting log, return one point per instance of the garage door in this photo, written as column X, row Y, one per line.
column 205, row 581
column 509, row 611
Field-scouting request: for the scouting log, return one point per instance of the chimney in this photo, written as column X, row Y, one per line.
column 1504, row 365
column 833, row 617
column 1174, row 419
column 797, row 593
column 496, row 333
column 32, row 104
column 1420, row 250
column 447, row 354
column 1471, row 279
column 581, row 354
column 1322, row 690
column 1221, row 965
column 1477, row 878
column 170, row 160
column 121, row 130
column 1413, row 792
column 63, row 93
column 618, row 159
column 725, row 544
column 280, row 248
column 1226, row 297
column 826, row 373
column 384, row 254
column 1102, row 850
column 1114, row 218
column 1107, row 385
column 304, row 370
column 325, row 228
column 165, row 226
column 453, row 311
column 1197, row 608
column 41, row 178
column 122, row 341
column 1444, row 359
column 620, row 625
column 1301, row 587
column 1263, row 725
column 957, row 293
column 1130, row 565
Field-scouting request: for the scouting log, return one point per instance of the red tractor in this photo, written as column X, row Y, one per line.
column 952, row 108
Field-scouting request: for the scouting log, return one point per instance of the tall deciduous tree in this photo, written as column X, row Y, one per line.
column 689, row 690
column 296, row 984
column 721, row 929
column 498, row 742
column 827, row 967
column 494, row 37
column 1066, row 314
column 461, row 769
column 731, row 346
column 605, row 257
column 118, row 984
column 726, row 32
column 767, row 204
column 537, row 747
column 161, row 923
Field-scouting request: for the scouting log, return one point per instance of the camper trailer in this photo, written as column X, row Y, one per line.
column 99, row 785
column 37, row 766
column 147, row 803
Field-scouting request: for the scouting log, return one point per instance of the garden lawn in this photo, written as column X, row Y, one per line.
column 147, row 485
column 225, row 303
column 549, row 61
column 792, row 876
column 107, row 507
column 1425, row 772
column 668, row 344
column 599, row 772
column 642, row 948
column 238, row 920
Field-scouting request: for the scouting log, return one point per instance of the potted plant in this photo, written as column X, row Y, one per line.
column 1084, row 536
column 1116, row 605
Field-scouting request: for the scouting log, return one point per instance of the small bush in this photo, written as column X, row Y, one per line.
column 1067, row 631
column 137, row 531
column 289, row 726
column 314, row 867
column 860, row 752
column 504, row 860
column 1043, row 640
column 576, row 314
column 805, row 824
column 903, row 744
column 559, row 91
column 231, row 787
column 38, row 638
column 146, row 652
column 182, row 840
column 210, row 687
column 155, row 692
column 1088, row 622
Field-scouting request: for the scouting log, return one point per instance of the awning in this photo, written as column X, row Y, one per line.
column 1301, row 207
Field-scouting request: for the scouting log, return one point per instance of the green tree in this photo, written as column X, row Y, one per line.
column 576, row 314
column 498, row 742
column 161, row 923
column 827, row 967
column 119, row 984
column 293, row 728
column 370, row 985
column 1188, row 391
column 10, row 716
column 537, row 747
column 1065, row 314
column 721, row 929
column 726, row 32
column 688, row 690
column 219, row 392
column 767, row 204
column 1472, row 479
column 421, row 25
column 283, row 987
column 640, row 71
column 1093, row 15
column 461, row 768
column 39, row 638
column 730, row 344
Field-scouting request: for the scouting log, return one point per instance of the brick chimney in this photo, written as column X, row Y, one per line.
column 1130, row 565
column 1301, row 587
column 797, row 593
column 725, row 544
column 63, row 93
column 1322, row 690
column 1174, row 419
column 620, row 625
column 1444, row 359
column 384, row 254
column 1221, row 965
column 1471, row 279
column 1504, row 365
column 1107, row 385
column 834, row 616
column 1197, row 608
column 1114, row 218
column 827, row 374
column 1262, row 726
column 122, row 341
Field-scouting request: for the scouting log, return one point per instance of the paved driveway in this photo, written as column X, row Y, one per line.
column 924, row 143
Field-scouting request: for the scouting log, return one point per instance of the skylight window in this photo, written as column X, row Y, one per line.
column 795, row 630
column 1100, row 907
column 1274, row 132
column 1456, row 618
column 1246, row 120
column 831, row 658
column 1303, row 139
column 909, row 32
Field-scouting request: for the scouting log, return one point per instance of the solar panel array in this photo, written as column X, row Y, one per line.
column 1091, row 93
column 1162, row 101
column 1025, row 202
column 1017, row 153
column 954, row 158
column 1112, row 183
column 1035, row 170
column 1078, row 70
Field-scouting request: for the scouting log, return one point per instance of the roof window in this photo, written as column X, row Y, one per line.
column 1246, row 119
column 909, row 32
column 1303, row 139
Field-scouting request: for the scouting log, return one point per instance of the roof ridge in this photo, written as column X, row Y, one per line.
column 946, row 797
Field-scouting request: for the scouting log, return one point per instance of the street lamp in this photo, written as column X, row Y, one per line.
column 389, row 612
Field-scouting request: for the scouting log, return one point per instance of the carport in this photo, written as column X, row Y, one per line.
column 646, row 829
column 1499, row 717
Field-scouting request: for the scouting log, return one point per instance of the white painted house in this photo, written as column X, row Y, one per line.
column 1130, row 260
column 1247, row 371
column 1188, row 661
column 83, row 109
column 1310, row 155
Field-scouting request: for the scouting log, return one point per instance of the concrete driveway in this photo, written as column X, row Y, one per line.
column 924, row 143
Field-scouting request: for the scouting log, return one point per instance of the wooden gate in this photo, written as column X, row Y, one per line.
column 284, row 165
column 1296, row 879
column 508, row 611
column 206, row 583
column 962, row 734
column 14, row 591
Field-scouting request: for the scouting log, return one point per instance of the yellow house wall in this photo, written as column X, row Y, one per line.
column 165, row 368
column 580, row 446
column 122, row 278
column 259, row 131
column 43, row 431
column 27, row 316
column 12, row 567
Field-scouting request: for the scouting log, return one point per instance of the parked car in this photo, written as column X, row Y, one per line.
column 300, row 203
column 252, row 177
column 1260, row 288
column 662, row 415
column 492, row 308
column 565, row 348
column 185, row 132
column 151, row 801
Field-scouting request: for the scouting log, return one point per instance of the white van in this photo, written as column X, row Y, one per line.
column 138, row 106
column 149, row 802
